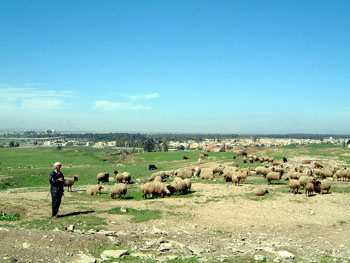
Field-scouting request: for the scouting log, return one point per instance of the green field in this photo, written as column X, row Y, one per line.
column 30, row 167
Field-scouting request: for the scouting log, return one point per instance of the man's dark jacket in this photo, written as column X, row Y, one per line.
column 57, row 187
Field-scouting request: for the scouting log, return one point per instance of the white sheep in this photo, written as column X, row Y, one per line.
column 120, row 190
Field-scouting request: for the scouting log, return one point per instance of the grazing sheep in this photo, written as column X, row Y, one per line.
column 218, row 169
column 95, row 190
column 154, row 175
column 69, row 182
column 185, row 173
column 228, row 176
column 274, row 176
column 325, row 185
column 342, row 174
column 294, row 185
column 120, row 190
column 260, row 191
column 152, row 167
column 309, row 189
column 102, row 178
column 242, row 174
column 327, row 173
column 198, row 171
column 317, row 165
column 207, row 176
column 154, row 189
column 119, row 176
column 127, row 177
column 188, row 183
column 304, row 180
column 158, row 179
column 178, row 185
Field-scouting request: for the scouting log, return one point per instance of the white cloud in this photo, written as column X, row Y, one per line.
column 14, row 93
column 142, row 96
column 41, row 104
column 115, row 106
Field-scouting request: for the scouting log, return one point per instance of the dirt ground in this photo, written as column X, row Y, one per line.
column 218, row 223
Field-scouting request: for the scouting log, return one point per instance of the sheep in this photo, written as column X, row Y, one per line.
column 274, row 176
column 342, row 174
column 179, row 185
column 242, row 174
column 152, row 167
column 198, row 171
column 188, row 183
column 186, row 173
column 69, row 182
column 162, row 174
column 218, row 169
column 325, row 185
column 260, row 191
column 158, row 179
column 293, row 184
column 207, row 176
column 304, row 180
column 317, row 165
column 119, row 176
column 294, row 175
column 127, row 177
column 102, row 178
column 309, row 189
column 228, row 176
column 120, row 190
column 327, row 173
column 95, row 190
column 154, row 189
column 285, row 159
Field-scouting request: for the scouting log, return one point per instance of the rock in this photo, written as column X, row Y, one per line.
column 259, row 258
column 165, row 246
column 81, row 258
column 114, row 240
column 26, row 245
column 150, row 244
column 195, row 250
column 109, row 233
column 285, row 254
column 143, row 256
column 107, row 254
column 162, row 240
column 158, row 231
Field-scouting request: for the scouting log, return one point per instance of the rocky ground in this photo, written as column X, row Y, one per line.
column 218, row 223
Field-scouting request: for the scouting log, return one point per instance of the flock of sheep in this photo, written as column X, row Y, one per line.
column 301, row 176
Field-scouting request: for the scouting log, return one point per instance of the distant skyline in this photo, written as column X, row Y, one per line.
column 240, row 67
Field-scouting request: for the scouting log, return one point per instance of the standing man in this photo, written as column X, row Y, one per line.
column 57, row 188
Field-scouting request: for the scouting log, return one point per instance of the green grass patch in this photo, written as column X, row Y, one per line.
column 340, row 189
column 138, row 215
column 81, row 220
column 9, row 217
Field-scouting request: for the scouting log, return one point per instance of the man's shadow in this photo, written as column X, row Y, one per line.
column 77, row 213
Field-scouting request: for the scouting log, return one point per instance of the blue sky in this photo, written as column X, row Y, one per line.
column 176, row 66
